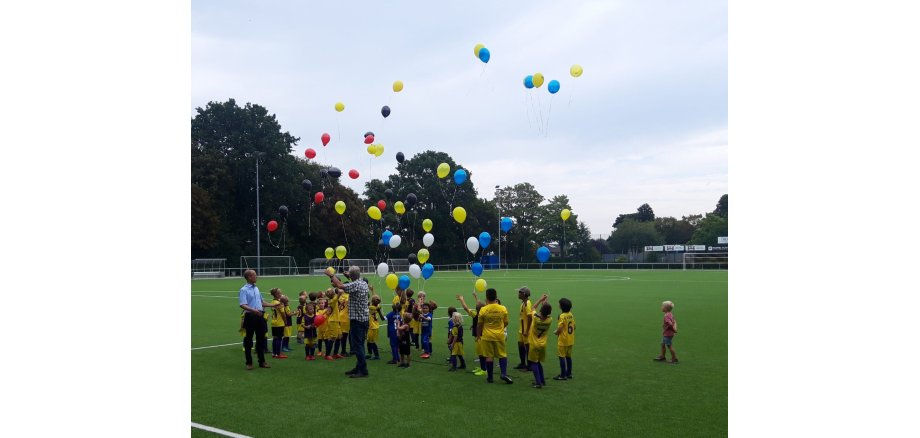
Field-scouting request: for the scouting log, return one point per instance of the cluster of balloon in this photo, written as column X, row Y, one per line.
column 390, row 239
column 385, row 111
column 481, row 52
column 353, row 174
column 400, row 157
column 375, row 149
column 542, row 254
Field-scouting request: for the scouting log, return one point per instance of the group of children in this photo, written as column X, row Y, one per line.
column 322, row 324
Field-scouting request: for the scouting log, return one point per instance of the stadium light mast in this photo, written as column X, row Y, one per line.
column 499, row 205
column 257, row 156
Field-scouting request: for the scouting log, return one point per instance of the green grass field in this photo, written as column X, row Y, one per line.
column 617, row 389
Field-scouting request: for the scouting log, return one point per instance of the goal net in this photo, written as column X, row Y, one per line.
column 705, row 260
column 317, row 266
column 270, row 265
column 209, row 268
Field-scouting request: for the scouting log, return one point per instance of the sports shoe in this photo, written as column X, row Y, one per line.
column 659, row 359
column 282, row 356
column 536, row 386
column 569, row 377
column 392, row 362
column 480, row 373
column 476, row 370
column 560, row 377
column 351, row 371
column 461, row 367
column 249, row 367
column 329, row 358
column 489, row 381
column 338, row 356
column 375, row 358
column 507, row 380
column 674, row 361
column 358, row 375
column 425, row 356
column 264, row 365
column 452, row 369
column 521, row 367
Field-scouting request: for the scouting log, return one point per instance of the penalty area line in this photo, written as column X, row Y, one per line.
column 218, row 431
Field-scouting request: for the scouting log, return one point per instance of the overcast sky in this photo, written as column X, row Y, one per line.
column 646, row 122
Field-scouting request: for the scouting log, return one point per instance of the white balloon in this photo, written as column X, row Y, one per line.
column 472, row 244
column 415, row 271
column 396, row 240
column 428, row 240
column 383, row 270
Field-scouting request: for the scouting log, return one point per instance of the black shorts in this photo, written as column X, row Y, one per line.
column 404, row 348
column 277, row 332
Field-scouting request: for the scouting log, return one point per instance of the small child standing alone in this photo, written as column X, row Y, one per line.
column 669, row 329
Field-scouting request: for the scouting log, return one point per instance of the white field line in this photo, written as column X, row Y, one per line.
column 218, row 431
column 213, row 296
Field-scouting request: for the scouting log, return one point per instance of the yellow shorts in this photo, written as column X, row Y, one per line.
column 457, row 349
column 494, row 349
column 565, row 351
column 522, row 339
column 288, row 330
column 479, row 348
column 372, row 335
column 537, row 354
column 345, row 326
column 334, row 331
column 309, row 342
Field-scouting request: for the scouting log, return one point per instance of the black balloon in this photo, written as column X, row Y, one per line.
column 413, row 259
column 411, row 199
column 389, row 194
column 283, row 211
column 368, row 133
column 323, row 173
column 385, row 111
column 335, row 172
column 306, row 184
column 400, row 157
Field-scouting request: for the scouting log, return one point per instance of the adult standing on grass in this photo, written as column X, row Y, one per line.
column 358, row 315
column 253, row 320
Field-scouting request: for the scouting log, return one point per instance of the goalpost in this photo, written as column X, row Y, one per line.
column 705, row 260
column 318, row 266
column 209, row 268
column 270, row 265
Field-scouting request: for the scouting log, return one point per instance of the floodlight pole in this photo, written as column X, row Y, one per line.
column 258, row 155
column 499, row 205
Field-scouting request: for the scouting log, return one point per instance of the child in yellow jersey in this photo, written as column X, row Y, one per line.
column 277, row 324
column 373, row 328
column 308, row 329
column 288, row 325
column 321, row 336
column 344, row 321
column 524, row 327
column 299, row 314
column 455, row 342
column 565, row 329
column 474, row 331
column 493, row 320
column 334, row 331
column 538, row 332
column 313, row 297
column 415, row 306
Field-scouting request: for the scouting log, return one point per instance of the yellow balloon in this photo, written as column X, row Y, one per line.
column 477, row 48
column 340, row 207
column 339, row 106
column 537, row 79
column 460, row 215
column 397, row 86
column 423, row 255
column 399, row 207
column 372, row 149
column 374, row 212
column 565, row 213
column 392, row 280
column 427, row 224
column 576, row 70
column 443, row 170
column 329, row 253
column 481, row 285
column 340, row 252
column 330, row 270
column 378, row 150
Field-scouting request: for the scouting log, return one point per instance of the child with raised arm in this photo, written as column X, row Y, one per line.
column 538, row 332
column 565, row 330
column 669, row 329
column 474, row 331
column 524, row 317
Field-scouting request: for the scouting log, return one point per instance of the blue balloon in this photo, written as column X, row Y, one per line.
column 477, row 269
column 460, row 176
column 484, row 239
column 528, row 81
column 553, row 86
column 506, row 224
column 427, row 270
column 484, row 55
column 542, row 254
column 386, row 237
column 404, row 282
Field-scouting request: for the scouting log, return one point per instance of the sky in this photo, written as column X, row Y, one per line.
column 647, row 122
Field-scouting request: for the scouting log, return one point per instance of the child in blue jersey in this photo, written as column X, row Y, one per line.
column 426, row 319
column 393, row 321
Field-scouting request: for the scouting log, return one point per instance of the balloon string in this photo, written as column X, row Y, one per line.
column 540, row 105
column 527, row 109
column 546, row 131
column 309, row 221
column 347, row 247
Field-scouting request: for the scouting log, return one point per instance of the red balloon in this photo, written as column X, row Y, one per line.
column 382, row 205
column 369, row 139
column 272, row 226
column 310, row 153
column 319, row 320
column 325, row 139
column 318, row 197
column 353, row 174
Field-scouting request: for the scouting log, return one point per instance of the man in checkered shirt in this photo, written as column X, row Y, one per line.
column 358, row 314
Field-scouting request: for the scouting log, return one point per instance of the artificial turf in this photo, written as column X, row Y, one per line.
column 617, row 389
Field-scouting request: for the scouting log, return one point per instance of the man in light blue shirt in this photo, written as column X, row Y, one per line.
column 253, row 320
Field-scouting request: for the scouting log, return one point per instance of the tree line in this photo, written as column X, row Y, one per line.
column 227, row 140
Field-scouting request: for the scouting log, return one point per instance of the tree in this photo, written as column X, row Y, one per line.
column 522, row 203
column 722, row 206
column 643, row 214
column 205, row 222
column 674, row 231
column 632, row 234
column 711, row 227
column 582, row 247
